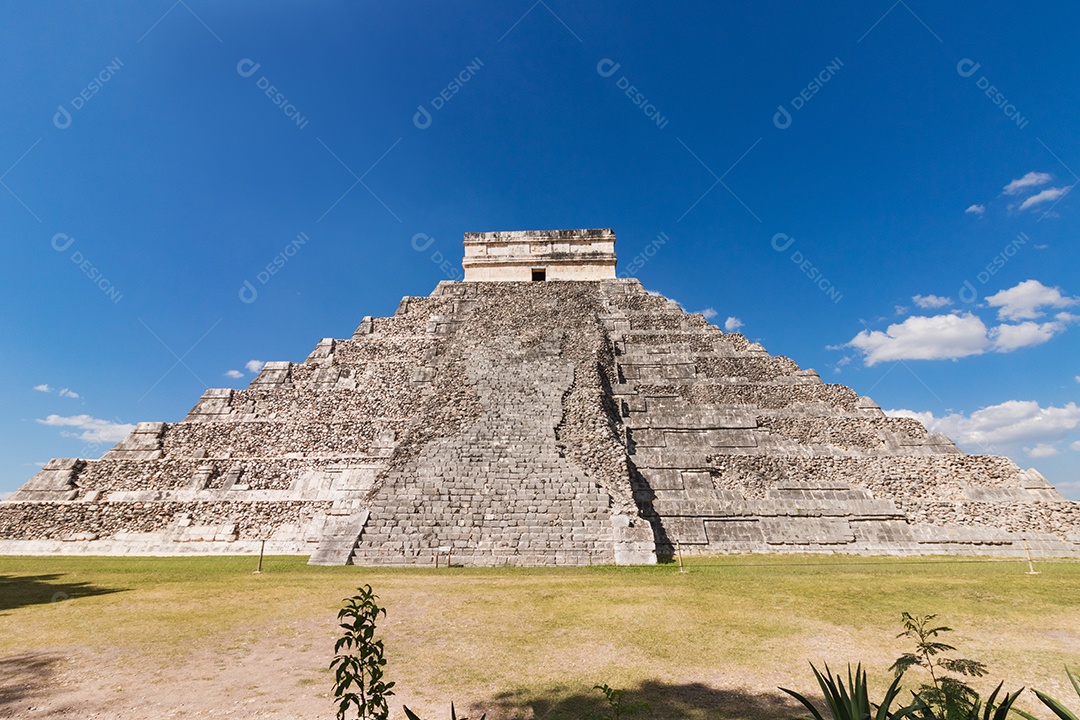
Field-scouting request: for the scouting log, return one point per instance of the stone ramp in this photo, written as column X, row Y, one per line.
column 340, row 535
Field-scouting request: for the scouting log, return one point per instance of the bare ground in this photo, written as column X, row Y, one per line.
column 528, row 645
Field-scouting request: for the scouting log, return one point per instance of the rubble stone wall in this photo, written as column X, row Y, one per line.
column 538, row 423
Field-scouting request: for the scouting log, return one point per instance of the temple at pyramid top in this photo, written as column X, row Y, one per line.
column 537, row 255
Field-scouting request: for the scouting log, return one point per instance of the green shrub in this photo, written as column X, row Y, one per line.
column 358, row 672
column 949, row 697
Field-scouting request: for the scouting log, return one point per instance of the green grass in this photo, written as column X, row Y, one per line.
column 727, row 632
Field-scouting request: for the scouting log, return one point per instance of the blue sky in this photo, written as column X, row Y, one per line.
column 878, row 190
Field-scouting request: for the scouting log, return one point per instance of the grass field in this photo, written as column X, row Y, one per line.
column 205, row 637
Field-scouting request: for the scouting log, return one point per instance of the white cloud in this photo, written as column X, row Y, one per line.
column 931, row 301
column 93, row 429
column 63, row 392
column 901, row 309
column 4, row 496
column 708, row 313
column 1042, row 450
column 1008, row 422
column 940, row 337
column 1007, row 338
column 732, row 324
column 234, row 374
column 1027, row 300
column 1075, row 446
column 1077, row 378
column 1045, row 196
column 957, row 335
column 254, row 366
column 976, row 209
column 1032, row 179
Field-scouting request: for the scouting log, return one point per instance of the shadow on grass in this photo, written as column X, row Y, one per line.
column 18, row 591
column 23, row 678
column 665, row 700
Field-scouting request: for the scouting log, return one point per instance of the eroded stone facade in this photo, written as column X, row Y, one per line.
column 520, row 422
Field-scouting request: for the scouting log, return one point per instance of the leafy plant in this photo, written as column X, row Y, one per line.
column 358, row 672
column 851, row 701
column 1057, row 706
column 948, row 697
column 924, row 711
column 616, row 707
column 453, row 715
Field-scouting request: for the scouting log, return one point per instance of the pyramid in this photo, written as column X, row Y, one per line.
column 541, row 412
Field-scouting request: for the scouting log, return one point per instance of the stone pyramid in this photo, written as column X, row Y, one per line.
column 541, row 412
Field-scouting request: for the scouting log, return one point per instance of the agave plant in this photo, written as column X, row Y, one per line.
column 453, row 714
column 1057, row 706
column 851, row 701
column 923, row 710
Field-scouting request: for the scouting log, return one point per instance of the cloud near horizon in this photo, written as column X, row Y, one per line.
column 962, row 334
column 90, row 429
column 1042, row 450
column 1007, row 423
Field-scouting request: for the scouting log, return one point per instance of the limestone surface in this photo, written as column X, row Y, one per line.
column 537, row 423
